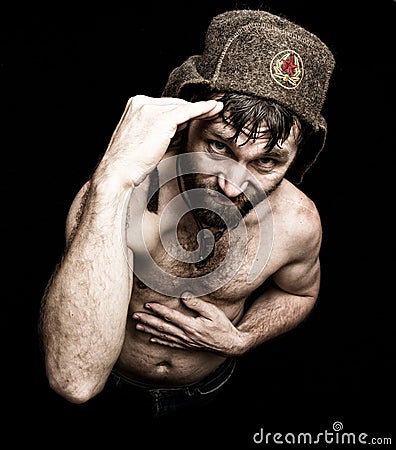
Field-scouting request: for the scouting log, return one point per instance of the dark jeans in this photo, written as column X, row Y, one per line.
column 167, row 400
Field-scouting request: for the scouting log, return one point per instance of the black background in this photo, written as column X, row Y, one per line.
column 66, row 75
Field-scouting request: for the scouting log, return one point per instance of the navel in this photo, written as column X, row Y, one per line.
column 163, row 367
column 164, row 363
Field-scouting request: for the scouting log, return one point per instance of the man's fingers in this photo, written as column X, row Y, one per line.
column 184, row 112
column 155, row 322
column 162, row 333
column 140, row 100
column 217, row 107
column 166, row 343
column 203, row 307
column 170, row 315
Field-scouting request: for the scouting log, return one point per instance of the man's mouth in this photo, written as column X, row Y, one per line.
column 222, row 199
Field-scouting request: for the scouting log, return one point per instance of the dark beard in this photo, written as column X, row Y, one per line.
column 216, row 215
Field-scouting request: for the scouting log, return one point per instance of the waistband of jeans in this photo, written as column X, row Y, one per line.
column 215, row 379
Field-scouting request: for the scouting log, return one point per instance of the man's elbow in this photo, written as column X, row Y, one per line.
column 307, row 305
column 78, row 390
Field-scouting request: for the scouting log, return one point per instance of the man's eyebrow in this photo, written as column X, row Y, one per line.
column 227, row 135
column 280, row 152
column 222, row 133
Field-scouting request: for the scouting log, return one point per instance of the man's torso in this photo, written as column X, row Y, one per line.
column 242, row 261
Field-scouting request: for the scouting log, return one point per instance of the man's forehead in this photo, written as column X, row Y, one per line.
column 227, row 130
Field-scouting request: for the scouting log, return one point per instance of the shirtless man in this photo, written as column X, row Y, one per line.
column 238, row 126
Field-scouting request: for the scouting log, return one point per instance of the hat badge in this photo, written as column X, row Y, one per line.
column 287, row 69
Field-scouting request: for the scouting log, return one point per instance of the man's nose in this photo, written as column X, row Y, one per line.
column 232, row 186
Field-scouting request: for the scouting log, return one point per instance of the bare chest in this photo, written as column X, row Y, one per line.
column 220, row 266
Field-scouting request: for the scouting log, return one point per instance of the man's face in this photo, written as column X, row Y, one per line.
column 242, row 174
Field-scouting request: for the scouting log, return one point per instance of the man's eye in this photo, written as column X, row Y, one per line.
column 264, row 164
column 217, row 147
column 265, row 161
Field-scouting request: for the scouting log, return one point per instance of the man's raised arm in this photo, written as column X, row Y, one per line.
column 84, row 309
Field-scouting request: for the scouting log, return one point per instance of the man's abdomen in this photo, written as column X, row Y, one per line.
column 147, row 362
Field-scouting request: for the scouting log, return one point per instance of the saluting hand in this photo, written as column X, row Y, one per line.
column 144, row 132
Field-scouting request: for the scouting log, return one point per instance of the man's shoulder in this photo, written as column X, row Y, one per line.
column 296, row 215
column 289, row 200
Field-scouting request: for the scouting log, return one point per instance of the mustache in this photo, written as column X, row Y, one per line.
column 241, row 198
column 251, row 196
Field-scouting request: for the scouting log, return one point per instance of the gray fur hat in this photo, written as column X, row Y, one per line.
column 255, row 52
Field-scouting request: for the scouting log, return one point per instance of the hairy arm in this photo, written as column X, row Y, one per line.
column 85, row 305
column 281, row 307
column 84, row 308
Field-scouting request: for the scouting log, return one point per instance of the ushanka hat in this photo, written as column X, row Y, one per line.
column 255, row 52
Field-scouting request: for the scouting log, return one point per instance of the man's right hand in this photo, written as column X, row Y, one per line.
column 143, row 135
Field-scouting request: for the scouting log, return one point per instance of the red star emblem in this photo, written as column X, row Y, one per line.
column 289, row 66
